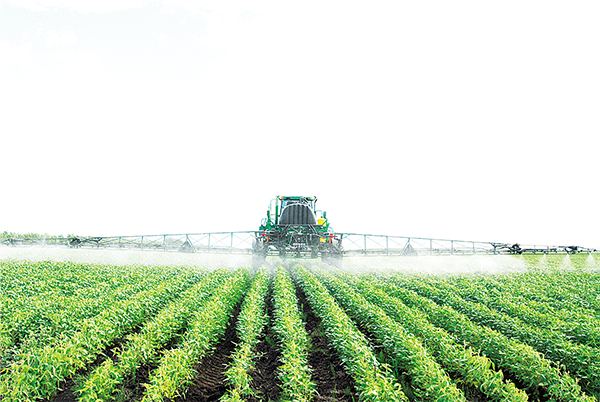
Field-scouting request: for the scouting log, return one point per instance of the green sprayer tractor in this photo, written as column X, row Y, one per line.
column 294, row 227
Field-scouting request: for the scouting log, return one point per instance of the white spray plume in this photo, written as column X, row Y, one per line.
column 442, row 265
column 126, row 257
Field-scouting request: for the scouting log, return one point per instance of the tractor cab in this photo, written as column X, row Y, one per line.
column 298, row 211
column 309, row 201
column 291, row 210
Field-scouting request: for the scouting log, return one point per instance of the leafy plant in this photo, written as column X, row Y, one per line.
column 374, row 381
column 251, row 322
column 207, row 326
column 519, row 359
column 429, row 380
column 143, row 346
column 294, row 371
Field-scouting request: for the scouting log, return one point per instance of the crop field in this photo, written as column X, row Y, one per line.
column 300, row 331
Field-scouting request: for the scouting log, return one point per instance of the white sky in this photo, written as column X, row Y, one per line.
column 470, row 120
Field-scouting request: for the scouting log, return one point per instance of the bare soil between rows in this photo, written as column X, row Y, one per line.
column 332, row 381
column 209, row 383
column 265, row 383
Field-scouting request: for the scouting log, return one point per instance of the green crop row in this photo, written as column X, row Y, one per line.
column 471, row 368
column 373, row 381
column 439, row 336
column 580, row 360
column 428, row 379
column 38, row 373
column 251, row 322
column 43, row 318
column 580, row 328
column 563, row 290
column 578, row 323
column 67, row 294
column 294, row 371
column 516, row 358
column 207, row 326
column 144, row 345
column 28, row 278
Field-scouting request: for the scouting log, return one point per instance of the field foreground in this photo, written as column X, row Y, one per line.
column 90, row 332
